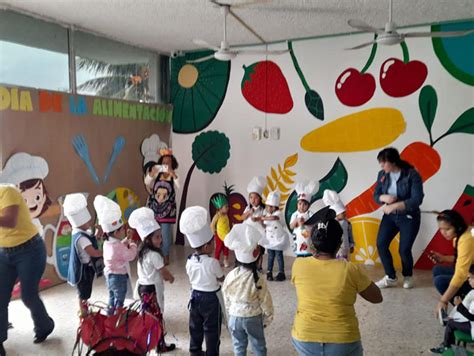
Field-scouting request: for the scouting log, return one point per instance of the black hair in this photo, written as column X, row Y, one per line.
column 148, row 166
column 253, row 267
column 326, row 236
column 109, row 234
column 261, row 204
column 147, row 246
column 391, row 155
column 454, row 219
column 471, row 269
column 174, row 161
column 202, row 246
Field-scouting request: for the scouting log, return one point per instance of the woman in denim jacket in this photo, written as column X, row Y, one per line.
column 399, row 188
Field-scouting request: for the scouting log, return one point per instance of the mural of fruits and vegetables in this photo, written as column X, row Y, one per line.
column 197, row 91
column 210, row 153
column 312, row 100
column 281, row 180
column 335, row 179
column 236, row 201
column 126, row 199
column 397, row 79
column 421, row 155
column 265, row 88
column 361, row 131
column 464, row 206
column 456, row 53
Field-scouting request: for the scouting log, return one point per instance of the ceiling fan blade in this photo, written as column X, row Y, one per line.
column 361, row 25
column 439, row 34
column 202, row 59
column 256, row 51
column 203, row 43
column 250, row 2
column 246, row 26
column 362, row 45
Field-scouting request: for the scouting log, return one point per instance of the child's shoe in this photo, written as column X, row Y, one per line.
column 226, row 262
column 166, row 348
column 440, row 349
column 408, row 283
column 269, row 276
column 280, row 277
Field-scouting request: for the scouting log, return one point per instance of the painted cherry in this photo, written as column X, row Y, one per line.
column 354, row 88
column 399, row 79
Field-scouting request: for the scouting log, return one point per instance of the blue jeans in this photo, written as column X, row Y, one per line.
column 408, row 225
column 271, row 259
column 27, row 262
column 442, row 276
column 117, row 285
column 327, row 349
column 166, row 233
column 241, row 329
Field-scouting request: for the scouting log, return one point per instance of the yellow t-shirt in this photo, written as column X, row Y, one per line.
column 327, row 291
column 465, row 258
column 222, row 226
column 24, row 229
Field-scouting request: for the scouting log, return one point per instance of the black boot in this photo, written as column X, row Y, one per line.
column 269, row 276
column 280, row 277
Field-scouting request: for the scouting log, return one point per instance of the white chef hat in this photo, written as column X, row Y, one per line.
column 108, row 213
column 194, row 223
column 306, row 189
column 22, row 167
column 75, row 209
column 257, row 185
column 273, row 199
column 331, row 198
column 151, row 148
column 243, row 239
column 143, row 220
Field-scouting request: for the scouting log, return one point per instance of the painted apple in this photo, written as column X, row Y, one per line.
column 399, row 79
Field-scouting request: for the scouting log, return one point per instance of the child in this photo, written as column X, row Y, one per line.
column 151, row 269
column 163, row 182
column 331, row 198
column 247, row 298
column 118, row 251
column 85, row 260
column 220, row 227
column 305, row 191
column 276, row 237
column 205, row 273
column 255, row 210
column 462, row 318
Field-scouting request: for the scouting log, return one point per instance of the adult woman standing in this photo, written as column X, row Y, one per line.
column 451, row 281
column 325, row 321
column 22, row 255
column 400, row 189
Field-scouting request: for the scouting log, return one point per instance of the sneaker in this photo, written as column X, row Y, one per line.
column 280, row 277
column 269, row 276
column 387, row 282
column 440, row 349
column 408, row 283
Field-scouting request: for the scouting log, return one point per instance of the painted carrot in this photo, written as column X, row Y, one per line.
column 421, row 155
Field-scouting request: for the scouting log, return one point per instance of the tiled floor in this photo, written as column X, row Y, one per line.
column 404, row 324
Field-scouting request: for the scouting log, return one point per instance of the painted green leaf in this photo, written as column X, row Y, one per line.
column 464, row 123
column 210, row 151
column 336, row 180
column 314, row 103
column 428, row 102
column 197, row 91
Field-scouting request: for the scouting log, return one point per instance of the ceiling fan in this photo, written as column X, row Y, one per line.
column 225, row 52
column 389, row 35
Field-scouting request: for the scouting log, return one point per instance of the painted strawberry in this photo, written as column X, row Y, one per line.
column 266, row 89
column 237, row 204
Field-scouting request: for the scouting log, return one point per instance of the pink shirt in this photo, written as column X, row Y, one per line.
column 117, row 255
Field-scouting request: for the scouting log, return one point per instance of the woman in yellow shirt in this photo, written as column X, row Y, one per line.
column 325, row 322
column 23, row 256
column 451, row 281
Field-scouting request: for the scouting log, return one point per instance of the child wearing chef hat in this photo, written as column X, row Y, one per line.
column 305, row 191
column 276, row 236
column 254, row 212
column 205, row 273
column 331, row 198
column 151, row 268
column 118, row 251
column 85, row 260
column 247, row 298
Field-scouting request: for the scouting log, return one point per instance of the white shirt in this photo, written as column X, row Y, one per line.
column 276, row 235
column 82, row 243
column 468, row 302
column 148, row 269
column 203, row 272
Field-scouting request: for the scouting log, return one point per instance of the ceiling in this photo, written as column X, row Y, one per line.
column 169, row 25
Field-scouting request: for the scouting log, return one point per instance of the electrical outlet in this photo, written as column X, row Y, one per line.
column 257, row 133
column 275, row 133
